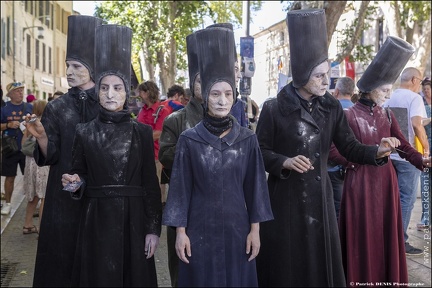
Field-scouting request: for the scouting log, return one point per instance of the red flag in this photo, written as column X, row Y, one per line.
column 349, row 68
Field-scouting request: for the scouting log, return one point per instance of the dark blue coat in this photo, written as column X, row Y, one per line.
column 217, row 189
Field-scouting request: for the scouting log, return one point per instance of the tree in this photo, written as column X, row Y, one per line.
column 409, row 20
column 160, row 29
column 159, row 32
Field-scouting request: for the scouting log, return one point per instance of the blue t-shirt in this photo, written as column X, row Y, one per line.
column 11, row 112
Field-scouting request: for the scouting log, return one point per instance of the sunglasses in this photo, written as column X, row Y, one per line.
column 17, row 84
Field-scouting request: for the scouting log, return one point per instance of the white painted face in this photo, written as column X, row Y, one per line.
column 381, row 94
column 318, row 81
column 112, row 93
column 220, row 99
column 77, row 74
column 197, row 88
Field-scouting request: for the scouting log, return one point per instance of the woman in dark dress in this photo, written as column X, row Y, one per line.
column 218, row 193
column 113, row 156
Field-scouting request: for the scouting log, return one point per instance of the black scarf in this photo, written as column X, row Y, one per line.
column 87, row 103
column 114, row 117
column 217, row 126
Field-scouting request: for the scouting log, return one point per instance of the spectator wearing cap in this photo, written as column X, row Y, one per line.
column 11, row 116
column 30, row 98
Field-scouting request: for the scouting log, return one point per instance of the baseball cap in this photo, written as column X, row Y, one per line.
column 12, row 86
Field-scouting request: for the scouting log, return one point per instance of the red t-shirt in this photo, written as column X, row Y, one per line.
column 147, row 116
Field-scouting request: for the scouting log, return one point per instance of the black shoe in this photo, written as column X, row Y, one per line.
column 410, row 250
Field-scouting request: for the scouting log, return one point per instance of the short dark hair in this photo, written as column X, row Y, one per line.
column 175, row 89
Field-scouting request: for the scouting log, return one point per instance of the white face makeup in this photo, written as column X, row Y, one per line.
column 318, row 81
column 112, row 93
column 197, row 88
column 220, row 99
column 77, row 74
column 381, row 94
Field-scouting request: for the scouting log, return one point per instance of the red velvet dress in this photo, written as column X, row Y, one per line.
column 370, row 222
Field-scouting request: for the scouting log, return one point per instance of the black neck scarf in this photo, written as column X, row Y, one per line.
column 216, row 125
column 87, row 101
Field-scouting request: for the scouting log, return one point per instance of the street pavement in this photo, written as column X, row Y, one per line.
column 18, row 251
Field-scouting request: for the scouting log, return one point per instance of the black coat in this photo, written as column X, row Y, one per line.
column 301, row 246
column 121, row 202
column 59, row 227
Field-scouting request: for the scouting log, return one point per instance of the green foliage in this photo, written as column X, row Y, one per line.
column 153, row 29
column 414, row 11
column 230, row 11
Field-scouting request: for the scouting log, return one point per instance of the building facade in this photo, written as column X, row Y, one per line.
column 33, row 45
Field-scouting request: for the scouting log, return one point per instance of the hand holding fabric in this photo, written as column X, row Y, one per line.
column 387, row 146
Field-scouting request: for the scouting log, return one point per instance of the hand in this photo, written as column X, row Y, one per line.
column 35, row 128
column 299, row 163
column 253, row 242
column 151, row 243
column 427, row 161
column 13, row 125
column 387, row 146
column 182, row 243
column 67, row 178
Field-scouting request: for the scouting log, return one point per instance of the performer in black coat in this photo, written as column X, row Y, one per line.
column 54, row 134
column 301, row 247
column 113, row 156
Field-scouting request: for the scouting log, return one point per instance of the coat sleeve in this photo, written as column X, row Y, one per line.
column 411, row 154
column 181, row 184
column 50, row 122
column 349, row 147
column 79, row 164
column 168, row 141
column 266, row 134
column 150, row 182
column 255, row 187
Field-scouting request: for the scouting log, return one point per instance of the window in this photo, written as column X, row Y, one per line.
column 281, row 38
column 37, row 54
column 8, row 35
column 43, row 57
column 3, row 39
column 47, row 14
column 28, row 50
column 41, row 9
column 49, row 60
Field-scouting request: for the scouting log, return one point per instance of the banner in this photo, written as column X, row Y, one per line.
column 349, row 68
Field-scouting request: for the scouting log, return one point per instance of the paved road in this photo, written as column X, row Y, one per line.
column 18, row 251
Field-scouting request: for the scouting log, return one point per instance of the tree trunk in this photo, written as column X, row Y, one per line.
column 392, row 16
column 358, row 31
column 167, row 56
column 148, row 65
column 333, row 11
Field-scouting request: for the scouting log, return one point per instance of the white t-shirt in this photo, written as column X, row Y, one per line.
column 413, row 102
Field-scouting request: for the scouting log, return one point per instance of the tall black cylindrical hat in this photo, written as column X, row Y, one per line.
column 387, row 64
column 113, row 44
column 215, row 58
column 192, row 54
column 226, row 26
column 81, row 40
column 308, row 42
